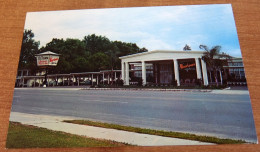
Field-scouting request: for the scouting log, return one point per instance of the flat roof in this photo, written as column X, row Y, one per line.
column 161, row 51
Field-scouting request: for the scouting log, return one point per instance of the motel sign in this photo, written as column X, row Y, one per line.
column 47, row 59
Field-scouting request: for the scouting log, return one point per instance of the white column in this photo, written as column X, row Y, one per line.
column 198, row 70
column 176, row 71
column 104, row 78
column 221, row 79
column 78, row 80
column 123, row 71
column 115, row 76
column 204, row 72
column 126, row 73
column 144, row 73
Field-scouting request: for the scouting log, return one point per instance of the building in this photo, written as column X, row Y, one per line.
column 160, row 67
column 25, row 79
column 19, row 78
column 176, row 67
column 169, row 67
column 236, row 72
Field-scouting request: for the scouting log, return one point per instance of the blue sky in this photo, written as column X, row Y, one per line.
column 155, row 28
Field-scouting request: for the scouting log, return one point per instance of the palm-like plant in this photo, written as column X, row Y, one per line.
column 214, row 60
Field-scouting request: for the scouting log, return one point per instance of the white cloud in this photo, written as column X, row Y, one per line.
column 154, row 44
column 169, row 27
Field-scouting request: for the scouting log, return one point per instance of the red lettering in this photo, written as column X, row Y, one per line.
column 186, row 66
column 42, row 62
column 54, row 59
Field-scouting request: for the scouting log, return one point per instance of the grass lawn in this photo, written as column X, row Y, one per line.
column 25, row 136
column 158, row 132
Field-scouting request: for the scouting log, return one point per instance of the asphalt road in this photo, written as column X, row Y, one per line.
column 204, row 113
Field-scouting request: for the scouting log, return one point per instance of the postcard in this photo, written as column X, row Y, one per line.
column 136, row 76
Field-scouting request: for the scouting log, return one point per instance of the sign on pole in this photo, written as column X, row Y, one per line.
column 47, row 59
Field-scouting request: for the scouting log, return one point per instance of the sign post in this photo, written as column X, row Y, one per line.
column 46, row 60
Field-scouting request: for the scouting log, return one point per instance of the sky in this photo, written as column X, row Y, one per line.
column 155, row 28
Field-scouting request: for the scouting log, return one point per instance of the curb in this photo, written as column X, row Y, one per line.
column 144, row 89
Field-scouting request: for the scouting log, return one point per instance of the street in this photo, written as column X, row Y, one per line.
column 202, row 113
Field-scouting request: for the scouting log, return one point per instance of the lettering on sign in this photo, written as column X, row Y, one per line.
column 186, row 66
column 43, row 62
column 53, row 59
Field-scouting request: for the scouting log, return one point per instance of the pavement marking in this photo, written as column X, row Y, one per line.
column 40, row 109
column 112, row 101
column 103, row 101
column 16, row 96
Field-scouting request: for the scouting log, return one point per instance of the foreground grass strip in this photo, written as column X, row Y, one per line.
column 25, row 136
column 158, row 132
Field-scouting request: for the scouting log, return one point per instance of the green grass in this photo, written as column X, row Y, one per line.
column 158, row 132
column 25, row 136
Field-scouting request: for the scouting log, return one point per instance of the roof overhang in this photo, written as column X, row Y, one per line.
column 162, row 51
column 47, row 53
column 159, row 55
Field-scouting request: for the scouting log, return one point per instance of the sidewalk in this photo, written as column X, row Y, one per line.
column 55, row 123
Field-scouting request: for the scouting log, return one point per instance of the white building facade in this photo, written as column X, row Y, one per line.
column 169, row 62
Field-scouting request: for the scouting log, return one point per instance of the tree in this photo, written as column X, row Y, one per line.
column 28, row 51
column 128, row 48
column 94, row 43
column 214, row 60
column 100, row 61
column 93, row 53
column 80, row 64
column 73, row 55
column 56, row 45
column 186, row 48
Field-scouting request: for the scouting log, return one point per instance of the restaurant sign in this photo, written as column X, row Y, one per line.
column 47, row 60
column 187, row 66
